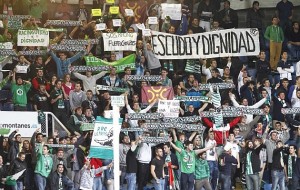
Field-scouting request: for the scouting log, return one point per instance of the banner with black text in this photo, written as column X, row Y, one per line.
column 222, row 43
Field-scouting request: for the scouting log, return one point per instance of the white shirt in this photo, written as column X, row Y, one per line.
column 211, row 153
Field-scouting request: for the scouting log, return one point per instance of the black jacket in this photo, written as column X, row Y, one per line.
column 54, row 182
column 255, row 160
column 18, row 166
column 14, row 147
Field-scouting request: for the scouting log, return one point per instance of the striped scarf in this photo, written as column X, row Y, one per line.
column 249, row 170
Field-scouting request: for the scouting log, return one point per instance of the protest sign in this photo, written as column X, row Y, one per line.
column 102, row 140
column 33, row 38
column 170, row 108
column 171, row 10
column 129, row 12
column 114, row 10
column 152, row 20
column 110, row 1
column 222, row 43
column 101, row 26
column 146, row 32
column 119, row 41
column 63, row 23
column 21, row 68
column 96, row 12
column 117, row 22
column 128, row 61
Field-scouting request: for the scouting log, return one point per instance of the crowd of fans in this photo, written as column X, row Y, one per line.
column 260, row 151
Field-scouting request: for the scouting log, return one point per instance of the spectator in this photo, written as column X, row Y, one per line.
column 18, row 165
column 19, row 90
column 41, row 100
column 284, row 67
column 112, row 79
column 39, row 79
column 274, row 34
column 157, row 169
column 77, row 96
column 228, row 16
column 58, row 106
column 202, row 173
column 58, row 180
column 293, row 38
column 14, row 145
column 285, row 11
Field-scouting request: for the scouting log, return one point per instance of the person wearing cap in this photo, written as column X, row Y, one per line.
column 226, row 160
column 58, row 179
column 19, row 89
column 14, row 141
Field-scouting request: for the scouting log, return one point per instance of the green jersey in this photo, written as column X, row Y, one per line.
column 187, row 161
column 179, row 144
column 20, row 93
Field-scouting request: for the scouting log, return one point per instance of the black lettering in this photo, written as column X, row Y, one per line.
column 234, row 42
column 242, row 43
column 162, row 44
column 216, row 49
column 182, row 46
column 223, row 44
column 205, row 45
column 167, row 52
column 197, row 43
column 251, row 47
column 173, row 46
column 188, row 42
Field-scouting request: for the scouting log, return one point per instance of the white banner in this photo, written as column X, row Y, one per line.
column 6, row 45
column 119, row 41
column 26, row 122
column 170, row 108
column 33, row 38
column 223, row 43
column 171, row 10
column 238, row 4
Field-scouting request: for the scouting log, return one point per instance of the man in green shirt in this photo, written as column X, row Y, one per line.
column 274, row 34
column 19, row 91
column 187, row 160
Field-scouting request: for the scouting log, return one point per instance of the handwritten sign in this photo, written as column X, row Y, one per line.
column 96, row 12
column 114, row 10
column 152, row 20
column 101, row 26
column 129, row 12
column 117, row 22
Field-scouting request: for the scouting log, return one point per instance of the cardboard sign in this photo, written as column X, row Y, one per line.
column 96, row 12
column 117, row 22
column 152, row 20
column 110, row 1
column 140, row 26
column 114, row 10
column 101, row 26
column 1, row 24
column 146, row 32
column 129, row 12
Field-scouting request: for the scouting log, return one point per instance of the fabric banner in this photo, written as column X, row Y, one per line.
column 14, row 24
column 63, row 23
column 190, row 119
column 60, row 47
column 33, row 52
column 153, row 126
column 102, row 140
column 170, row 108
column 171, row 10
column 109, row 88
column 155, row 140
column 7, row 52
column 139, row 8
column 79, row 42
column 151, row 93
column 6, row 45
column 52, row 29
column 224, row 113
column 88, row 68
column 245, row 110
column 15, row 17
column 133, row 129
column 121, row 64
column 238, row 4
column 33, row 38
column 119, row 41
column 12, row 179
column 152, row 78
column 4, row 131
column 216, row 85
column 290, row 110
column 87, row 127
column 194, row 98
column 145, row 116
column 222, row 43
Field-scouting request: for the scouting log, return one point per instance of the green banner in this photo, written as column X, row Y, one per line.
column 128, row 61
column 4, row 131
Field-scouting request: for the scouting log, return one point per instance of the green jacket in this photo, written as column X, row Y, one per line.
column 20, row 93
column 274, row 33
column 44, row 163
column 202, row 169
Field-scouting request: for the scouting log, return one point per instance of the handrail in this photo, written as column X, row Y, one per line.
column 59, row 122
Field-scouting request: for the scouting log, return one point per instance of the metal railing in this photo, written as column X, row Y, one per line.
column 51, row 124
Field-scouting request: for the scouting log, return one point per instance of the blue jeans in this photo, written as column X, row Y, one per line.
column 40, row 181
column 214, row 173
column 97, row 183
column 226, row 182
column 131, row 181
column 18, row 186
column 187, row 181
column 252, row 182
column 278, row 178
column 160, row 185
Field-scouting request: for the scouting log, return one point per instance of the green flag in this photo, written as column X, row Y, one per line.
column 4, row 131
column 128, row 61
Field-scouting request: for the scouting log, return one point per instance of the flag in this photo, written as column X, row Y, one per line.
column 4, row 131
column 12, row 180
column 102, row 140
column 139, row 8
column 151, row 93
column 128, row 61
